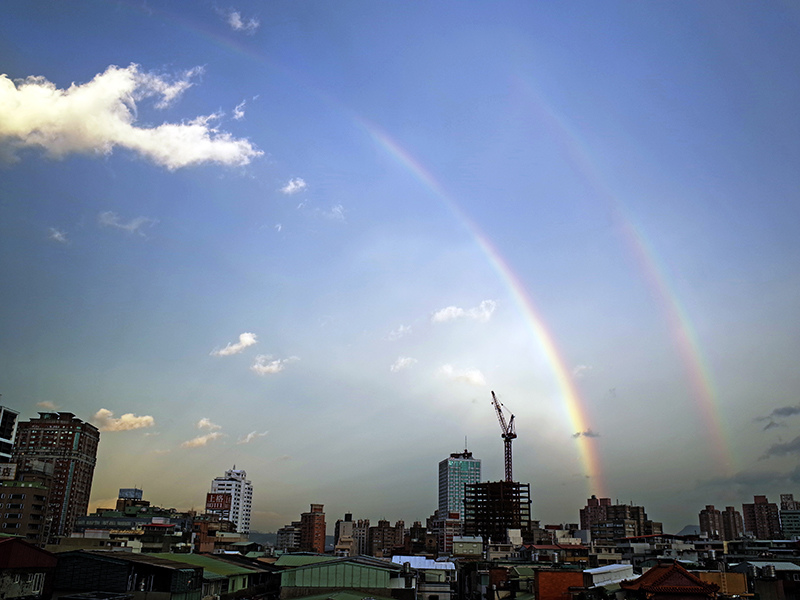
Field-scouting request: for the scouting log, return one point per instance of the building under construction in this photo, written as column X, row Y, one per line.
column 492, row 508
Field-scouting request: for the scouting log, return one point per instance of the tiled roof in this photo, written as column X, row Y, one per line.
column 671, row 578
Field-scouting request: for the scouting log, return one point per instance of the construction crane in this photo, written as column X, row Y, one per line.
column 508, row 433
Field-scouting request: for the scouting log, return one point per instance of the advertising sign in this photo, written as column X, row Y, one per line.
column 218, row 501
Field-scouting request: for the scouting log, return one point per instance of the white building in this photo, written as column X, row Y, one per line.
column 454, row 472
column 235, row 483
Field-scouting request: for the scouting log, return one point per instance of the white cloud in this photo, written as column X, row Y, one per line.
column 293, row 186
column 58, row 236
column 234, row 19
column 205, row 423
column 336, row 213
column 238, row 112
column 402, row 362
column 202, row 440
column 111, row 219
column 581, row 371
column 252, row 436
column 401, row 331
column 47, row 405
column 105, row 421
column 482, row 312
column 266, row 365
column 245, row 339
column 98, row 116
column 278, row 227
column 470, row 376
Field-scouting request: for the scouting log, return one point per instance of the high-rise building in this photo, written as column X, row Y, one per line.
column 732, row 524
column 8, row 418
column 70, row 445
column 594, row 511
column 312, row 530
column 455, row 472
column 235, row 483
column 615, row 517
column 761, row 519
column 711, row 523
column 493, row 507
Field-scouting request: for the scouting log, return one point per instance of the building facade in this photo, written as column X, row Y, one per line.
column 732, row 524
column 312, row 530
column 761, row 519
column 711, row 523
column 235, row 483
column 8, row 419
column 455, row 472
column 70, row 446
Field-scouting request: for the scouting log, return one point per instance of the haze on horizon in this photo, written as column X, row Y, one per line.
column 307, row 239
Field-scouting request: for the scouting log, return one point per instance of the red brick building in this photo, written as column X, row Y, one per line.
column 312, row 530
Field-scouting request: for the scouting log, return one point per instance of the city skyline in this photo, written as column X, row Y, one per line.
column 309, row 240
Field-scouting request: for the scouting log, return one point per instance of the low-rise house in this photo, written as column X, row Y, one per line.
column 25, row 570
column 771, row 579
column 220, row 578
column 436, row 579
column 144, row 576
column 669, row 581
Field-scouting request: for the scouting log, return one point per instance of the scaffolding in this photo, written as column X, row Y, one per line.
column 492, row 508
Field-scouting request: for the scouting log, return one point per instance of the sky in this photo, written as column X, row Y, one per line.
column 307, row 239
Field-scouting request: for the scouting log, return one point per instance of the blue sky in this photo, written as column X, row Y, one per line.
column 271, row 235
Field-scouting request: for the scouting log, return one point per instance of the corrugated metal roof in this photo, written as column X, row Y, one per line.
column 779, row 565
column 339, row 574
column 208, row 563
column 301, row 560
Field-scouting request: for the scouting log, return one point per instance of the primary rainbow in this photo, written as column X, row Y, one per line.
column 573, row 403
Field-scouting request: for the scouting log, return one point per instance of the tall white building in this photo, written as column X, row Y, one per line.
column 454, row 472
column 235, row 483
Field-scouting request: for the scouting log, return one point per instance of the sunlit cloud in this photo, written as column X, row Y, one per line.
column 237, row 23
column 266, row 365
column 470, row 376
column 403, row 362
column 245, row 340
column 47, row 405
column 34, row 113
column 253, row 435
column 206, row 423
column 482, row 312
column 401, row 331
column 587, row 434
column 294, row 186
column 105, row 421
column 58, row 236
column 202, row 440
column 111, row 219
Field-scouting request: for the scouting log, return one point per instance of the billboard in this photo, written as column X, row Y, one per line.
column 218, row 501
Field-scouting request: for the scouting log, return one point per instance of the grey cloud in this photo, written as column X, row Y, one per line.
column 588, row 433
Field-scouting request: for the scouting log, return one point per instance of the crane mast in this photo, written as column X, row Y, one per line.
column 508, row 434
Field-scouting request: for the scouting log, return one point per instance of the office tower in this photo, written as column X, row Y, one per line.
column 732, row 524
column 8, row 418
column 235, row 483
column 455, row 472
column 70, row 446
column 312, row 530
column 761, row 519
column 711, row 523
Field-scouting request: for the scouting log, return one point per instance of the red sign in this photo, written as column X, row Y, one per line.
column 218, row 501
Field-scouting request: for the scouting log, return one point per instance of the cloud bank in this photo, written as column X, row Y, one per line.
column 105, row 421
column 99, row 116
column 245, row 340
column 482, row 312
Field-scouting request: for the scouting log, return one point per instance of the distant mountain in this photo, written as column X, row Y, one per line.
column 690, row 530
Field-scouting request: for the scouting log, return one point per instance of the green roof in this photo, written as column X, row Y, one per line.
column 217, row 567
column 524, row 571
column 342, row 595
column 301, row 560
